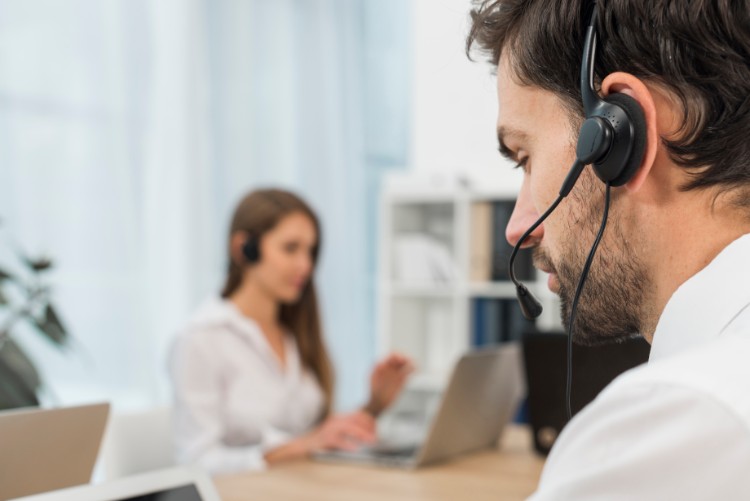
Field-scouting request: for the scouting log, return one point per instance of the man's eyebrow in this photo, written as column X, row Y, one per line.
column 504, row 132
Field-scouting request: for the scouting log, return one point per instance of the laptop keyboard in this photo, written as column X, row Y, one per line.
column 400, row 452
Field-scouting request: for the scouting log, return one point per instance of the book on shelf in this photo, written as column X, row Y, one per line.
column 515, row 323
column 487, row 321
column 481, row 242
column 501, row 249
column 497, row 321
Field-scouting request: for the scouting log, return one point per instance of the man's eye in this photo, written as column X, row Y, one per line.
column 521, row 164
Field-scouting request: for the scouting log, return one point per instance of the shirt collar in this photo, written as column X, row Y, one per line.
column 220, row 311
column 702, row 307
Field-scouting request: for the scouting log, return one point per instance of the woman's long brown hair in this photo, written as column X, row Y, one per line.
column 257, row 213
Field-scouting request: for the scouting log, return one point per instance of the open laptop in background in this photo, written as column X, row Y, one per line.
column 174, row 484
column 47, row 449
column 481, row 398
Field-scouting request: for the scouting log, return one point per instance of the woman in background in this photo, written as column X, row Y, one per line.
column 252, row 379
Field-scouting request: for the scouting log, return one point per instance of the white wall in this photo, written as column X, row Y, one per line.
column 454, row 105
column 454, row 100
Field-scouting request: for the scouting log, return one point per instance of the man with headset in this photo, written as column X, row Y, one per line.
column 648, row 100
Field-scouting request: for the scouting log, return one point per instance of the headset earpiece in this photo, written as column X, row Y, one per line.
column 613, row 137
column 629, row 141
column 251, row 249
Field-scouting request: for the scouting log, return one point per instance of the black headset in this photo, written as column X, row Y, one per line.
column 613, row 140
column 613, row 137
column 251, row 249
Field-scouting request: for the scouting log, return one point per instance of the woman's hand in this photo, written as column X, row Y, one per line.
column 343, row 432
column 386, row 382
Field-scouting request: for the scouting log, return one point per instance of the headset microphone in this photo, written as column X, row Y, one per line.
column 530, row 305
column 594, row 141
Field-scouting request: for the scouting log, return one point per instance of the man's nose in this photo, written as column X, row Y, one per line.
column 524, row 215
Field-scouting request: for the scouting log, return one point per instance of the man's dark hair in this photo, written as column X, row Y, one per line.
column 699, row 51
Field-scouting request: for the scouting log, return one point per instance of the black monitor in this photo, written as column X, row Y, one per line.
column 545, row 359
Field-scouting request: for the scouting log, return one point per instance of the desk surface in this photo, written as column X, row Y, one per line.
column 511, row 473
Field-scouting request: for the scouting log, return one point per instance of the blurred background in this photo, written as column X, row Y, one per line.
column 130, row 128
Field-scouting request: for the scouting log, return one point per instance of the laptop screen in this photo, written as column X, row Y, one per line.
column 180, row 493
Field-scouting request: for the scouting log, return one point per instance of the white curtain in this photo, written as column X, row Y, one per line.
column 130, row 128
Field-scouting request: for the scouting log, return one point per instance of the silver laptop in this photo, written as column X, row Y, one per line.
column 174, row 484
column 481, row 398
column 46, row 449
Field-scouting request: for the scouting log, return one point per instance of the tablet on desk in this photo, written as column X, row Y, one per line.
column 175, row 484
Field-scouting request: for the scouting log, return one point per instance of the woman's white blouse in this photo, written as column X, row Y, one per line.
column 233, row 399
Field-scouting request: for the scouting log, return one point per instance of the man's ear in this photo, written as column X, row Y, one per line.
column 635, row 88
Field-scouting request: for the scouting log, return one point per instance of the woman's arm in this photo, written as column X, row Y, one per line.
column 342, row 431
column 195, row 371
column 386, row 382
column 195, row 367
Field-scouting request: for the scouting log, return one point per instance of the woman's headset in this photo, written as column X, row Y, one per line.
column 251, row 249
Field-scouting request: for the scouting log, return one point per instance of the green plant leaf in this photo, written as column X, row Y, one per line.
column 38, row 264
column 41, row 264
column 51, row 326
column 4, row 275
column 19, row 379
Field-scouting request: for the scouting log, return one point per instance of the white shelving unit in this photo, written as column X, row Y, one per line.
column 430, row 320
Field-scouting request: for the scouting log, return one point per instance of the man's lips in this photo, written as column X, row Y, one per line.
column 543, row 263
column 545, row 269
column 552, row 281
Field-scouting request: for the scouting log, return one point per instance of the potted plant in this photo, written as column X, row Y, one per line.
column 25, row 298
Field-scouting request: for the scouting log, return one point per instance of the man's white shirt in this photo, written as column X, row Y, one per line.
column 679, row 426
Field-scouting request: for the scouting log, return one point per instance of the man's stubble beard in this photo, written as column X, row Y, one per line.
column 611, row 305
